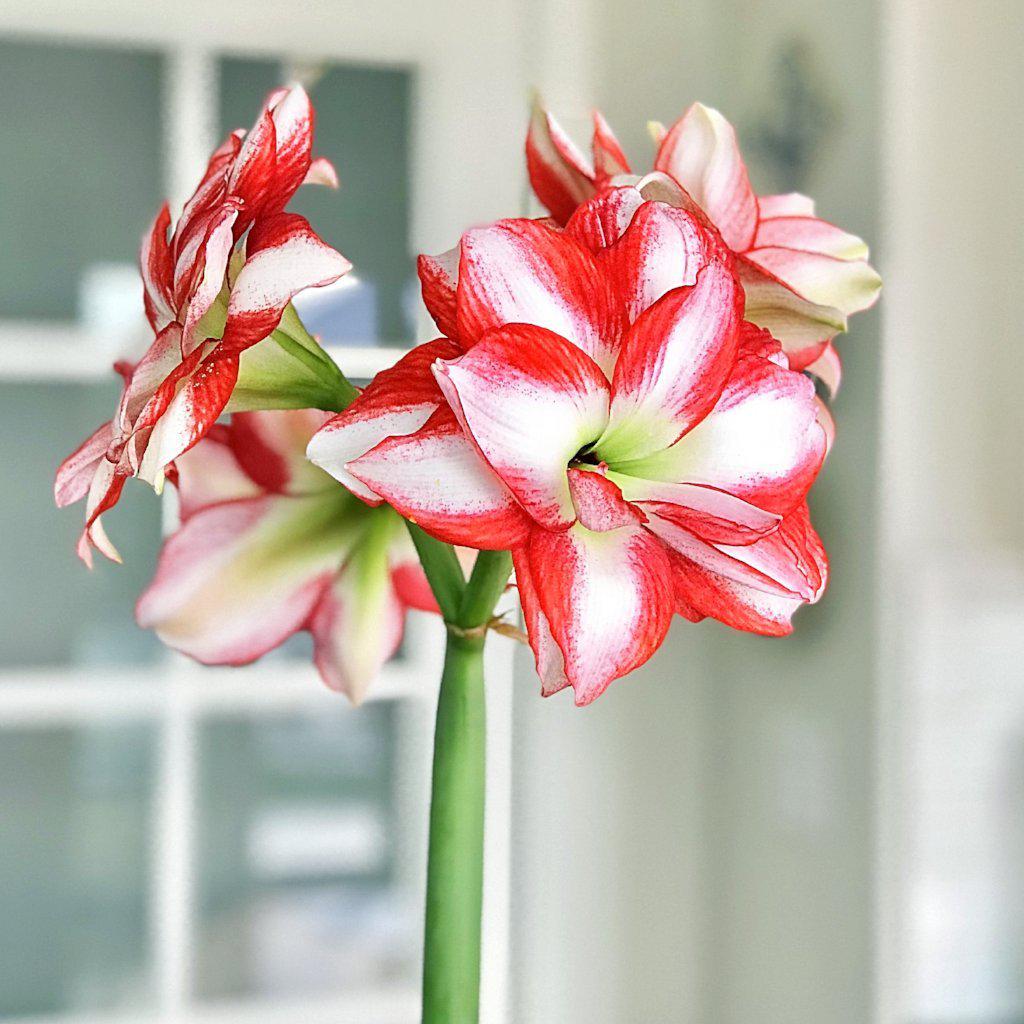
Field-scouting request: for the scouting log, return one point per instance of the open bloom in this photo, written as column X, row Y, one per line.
column 802, row 276
column 204, row 316
column 599, row 406
column 270, row 545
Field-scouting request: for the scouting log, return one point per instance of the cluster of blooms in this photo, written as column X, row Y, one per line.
column 616, row 397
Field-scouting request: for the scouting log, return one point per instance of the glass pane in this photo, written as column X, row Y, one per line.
column 299, row 884
column 81, row 172
column 363, row 118
column 58, row 612
column 74, row 928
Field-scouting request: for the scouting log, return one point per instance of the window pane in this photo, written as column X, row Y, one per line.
column 300, row 887
column 362, row 125
column 57, row 612
column 81, row 171
column 74, row 928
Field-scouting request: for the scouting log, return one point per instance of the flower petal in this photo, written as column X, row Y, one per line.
column 75, row 473
column 810, row 235
column 788, row 204
column 293, row 145
column 271, row 447
column 762, row 441
column 284, row 256
column 530, row 401
column 157, row 268
column 239, row 578
column 599, row 503
column 524, row 272
column 607, row 599
column 439, row 279
column 848, row 285
column 547, row 654
column 673, row 365
column 397, row 401
column 559, row 173
column 321, row 172
column 701, row 152
column 609, row 160
column 601, row 221
column 828, row 368
column 436, row 478
column 209, row 474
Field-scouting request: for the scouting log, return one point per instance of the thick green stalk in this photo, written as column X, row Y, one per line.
column 455, row 865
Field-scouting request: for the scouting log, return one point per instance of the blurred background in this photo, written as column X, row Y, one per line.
column 825, row 829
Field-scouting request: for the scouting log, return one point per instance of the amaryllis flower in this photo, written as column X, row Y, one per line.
column 207, row 305
column 599, row 406
column 802, row 276
column 270, row 545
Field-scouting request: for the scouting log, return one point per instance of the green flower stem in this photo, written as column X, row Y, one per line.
column 443, row 571
column 455, row 864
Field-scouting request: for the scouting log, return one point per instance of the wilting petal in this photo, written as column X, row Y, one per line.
column 523, row 272
column 662, row 249
column 848, row 285
column 795, row 553
column 559, row 173
column 762, row 442
column 239, row 578
column 795, row 321
column 530, row 401
column 810, row 235
column 607, row 599
column 436, row 478
column 284, row 256
column 157, row 268
column 209, row 474
column 700, row 151
column 673, row 365
column 321, row 172
column 357, row 623
column 609, row 160
column 75, row 474
column 397, row 401
column 713, row 515
column 439, row 279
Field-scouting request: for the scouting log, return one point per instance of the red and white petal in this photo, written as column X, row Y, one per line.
column 157, row 268
column 209, row 474
column 271, row 448
column 530, row 401
column 828, row 368
column 321, row 172
column 599, row 503
column 701, row 152
column 796, row 322
column 437, row 479
column 439, row 279
column 848, row 285
column 547, row 654
column 662, row 249
column 104, row 493
column 284, row 256
column 609, row 159
column 673, row 365
column 601, row 221
column 809, row 234
column 794, row 554
column 787, row 204
column 208, row 275
column 607, row 599
column 293, row 144
column 713, row 515
column 358, row 622
column 523, row 272
column 560, row 174
column 762, row 441
column 253, row 168
column 76, row 472
column 397, row 401
column 239, row 578
column 160, row 361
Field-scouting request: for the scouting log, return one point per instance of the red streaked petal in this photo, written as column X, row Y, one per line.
column 523, row 272
column 436, row 478
column 397, row 401
column 673, row 365
column 607, row 599
column 271, row 447
column 439, row 279
column 209, row 474
column 663, row 248
column 599, row 503
column 207, row 275
column 530, row 401
column 293, row 142
column 609, row 160
column 253, row 169
column 701, row 152
column 601, row 221
column 547, row 654
column 762, row 441
column 75, row 473
column 284, row 256
column 157, row 268
column 559, row 173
